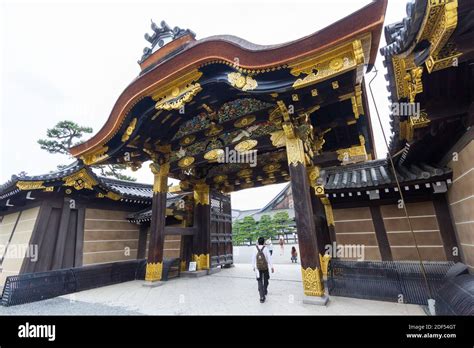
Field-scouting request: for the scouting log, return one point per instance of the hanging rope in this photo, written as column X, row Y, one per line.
column 423, row 271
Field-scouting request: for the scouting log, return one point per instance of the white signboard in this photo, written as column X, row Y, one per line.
column 192, row 266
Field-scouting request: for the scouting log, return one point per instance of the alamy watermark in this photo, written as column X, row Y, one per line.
column 233, row 156
column 405, row 109
column 19, row 251
column 351, row 251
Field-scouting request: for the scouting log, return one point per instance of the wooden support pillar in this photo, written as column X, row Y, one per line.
column 310, row 265
column 322, row 211
column 202, row 219
column 446, row 227
column 154, row 267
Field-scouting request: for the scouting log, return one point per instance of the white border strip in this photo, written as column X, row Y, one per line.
column 353, row 220
column 462, row 200
column 410, row 216
column 463, row 174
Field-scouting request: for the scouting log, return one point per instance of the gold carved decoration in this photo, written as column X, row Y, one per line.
column 244, row 121
column 30, row 185
column 295, row 151
column 153, row 271
column 201, row 194
column 220, row 178
column 278, row 138
column 80, row 180
column 186, row 162
column 202, row 261
column 356, row 100
column 160, row 172
column 187, row 140
column 324, row 261
column 344, row 58
column 353, row 154
column 179, row 92
column 245, row 173
column 245, row 83
column 407, row 128
column 214, row 129
column 246, row 145
column 182, row 266
column 213, row 155
column 96, row 156
column 129, row 130
column 312, row 281
column 440, row 23
column 328, row 210
column 272, row 167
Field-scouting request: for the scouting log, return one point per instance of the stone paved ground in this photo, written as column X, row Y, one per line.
column 231, row 291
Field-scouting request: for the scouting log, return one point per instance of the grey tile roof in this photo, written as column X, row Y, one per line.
column 127, row 189
column 145, row 214
column 378, row 173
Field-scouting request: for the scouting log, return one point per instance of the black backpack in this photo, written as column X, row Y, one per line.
column 262, row 264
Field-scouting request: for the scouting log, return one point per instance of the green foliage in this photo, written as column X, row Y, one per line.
column 248, row 229
column 67, row 134
column 266, row 227
column 61, row 137
column 244, row 230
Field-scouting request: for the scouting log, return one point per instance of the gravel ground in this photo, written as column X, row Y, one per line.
column 63, row 306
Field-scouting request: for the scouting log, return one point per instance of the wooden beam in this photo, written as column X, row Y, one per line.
column 381, row 234
column 181, row 231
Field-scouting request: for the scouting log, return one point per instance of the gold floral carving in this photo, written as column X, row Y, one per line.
column 154, row 271
column 328, row 210
column 246, row 145
column 160, row 172
column 245, row 121
column 80, row 180
column 324, row 261
column 278, row 138
column 181, row 91
column 129, row 130
column 186, row 162
column 245, row 83
column 344, row 58
column 30, row 185
column 356, row 100
column 312, row 281
column 407, row 128
column 188, row 140
column 213, row 155
column 220, row 178
column 201, row 194
column 96, row 156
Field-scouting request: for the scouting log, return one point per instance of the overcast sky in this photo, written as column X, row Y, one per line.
column 71, row 60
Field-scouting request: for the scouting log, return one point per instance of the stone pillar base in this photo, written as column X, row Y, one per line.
column 214, row 270
column 150, row 284
column 316, row 300
column 195, row 274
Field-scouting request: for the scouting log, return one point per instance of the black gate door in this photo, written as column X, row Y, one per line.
column 221, row 230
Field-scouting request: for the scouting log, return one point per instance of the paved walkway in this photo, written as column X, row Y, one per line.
column 231, row 291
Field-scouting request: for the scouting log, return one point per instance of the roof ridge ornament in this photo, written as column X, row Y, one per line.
column 160, row 33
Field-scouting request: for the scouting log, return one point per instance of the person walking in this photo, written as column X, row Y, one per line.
column 294, row 255
column 269, row 246
column 282, row 247
column 262, row 262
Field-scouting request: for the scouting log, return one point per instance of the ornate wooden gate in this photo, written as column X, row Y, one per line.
column 221, row 230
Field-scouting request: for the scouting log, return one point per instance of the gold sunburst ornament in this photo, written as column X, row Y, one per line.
column 246, row 145
column 188, row 140
column 186, row 162
column 244, row 121
column 213, row 155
